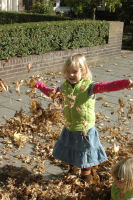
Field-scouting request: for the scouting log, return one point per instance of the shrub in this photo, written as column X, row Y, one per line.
column 38, row 38
column 44, row 7
column 22, row 17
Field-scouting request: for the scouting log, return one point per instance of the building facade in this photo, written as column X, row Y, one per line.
column 9, row 5
column 15, row 5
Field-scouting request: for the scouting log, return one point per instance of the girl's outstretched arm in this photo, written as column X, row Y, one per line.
column 130, row 199
column 44, row 89
column 112, row 86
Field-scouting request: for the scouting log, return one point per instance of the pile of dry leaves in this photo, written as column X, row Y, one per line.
column 41, row 128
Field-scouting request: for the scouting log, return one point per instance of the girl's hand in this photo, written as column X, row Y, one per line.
column 131, row 84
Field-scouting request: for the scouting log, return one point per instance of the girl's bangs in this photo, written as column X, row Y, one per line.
column 71, row 66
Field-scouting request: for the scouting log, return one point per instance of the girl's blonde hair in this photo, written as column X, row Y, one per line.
column 123, row 173
column 78, row 61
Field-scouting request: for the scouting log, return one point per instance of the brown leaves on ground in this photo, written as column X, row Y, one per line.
column 41, row 128
column 3, row 86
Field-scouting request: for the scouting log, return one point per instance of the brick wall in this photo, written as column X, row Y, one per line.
column 53, row 61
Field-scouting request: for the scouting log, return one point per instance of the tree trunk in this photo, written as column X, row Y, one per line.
column 94, row 13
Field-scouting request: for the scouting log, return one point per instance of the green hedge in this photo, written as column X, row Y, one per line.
column 23, row 17
column 127, row 41
column 38, row 38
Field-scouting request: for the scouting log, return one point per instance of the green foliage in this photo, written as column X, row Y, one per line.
column 19, row 17
column 127, row 41
column 126, row 12
column 38, row 38
column 112, row 5
column 79, row 7
column 42, row 7
column 87, row 8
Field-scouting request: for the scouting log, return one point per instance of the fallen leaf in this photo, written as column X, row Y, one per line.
column 18, row 87
column 109, row 70
column 116, row 148
column 28, row 67
column 3, row 85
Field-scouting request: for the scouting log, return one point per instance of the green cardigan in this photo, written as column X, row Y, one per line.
column 115, row 194
column 79, row 107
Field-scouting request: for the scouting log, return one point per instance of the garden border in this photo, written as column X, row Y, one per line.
column 16, row 68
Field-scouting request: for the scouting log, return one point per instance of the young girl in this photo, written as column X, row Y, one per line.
column 122, row 188
column 79, row 144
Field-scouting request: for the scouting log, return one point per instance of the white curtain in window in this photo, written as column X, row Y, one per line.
column 15, row 5
column 9, row 5
column 3, row 4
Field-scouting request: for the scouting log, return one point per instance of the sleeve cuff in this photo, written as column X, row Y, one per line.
column 90, row 89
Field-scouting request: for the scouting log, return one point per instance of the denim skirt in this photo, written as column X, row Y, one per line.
column 78, row 150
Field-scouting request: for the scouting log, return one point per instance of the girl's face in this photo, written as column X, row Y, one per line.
column 73, row 75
